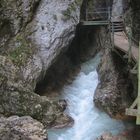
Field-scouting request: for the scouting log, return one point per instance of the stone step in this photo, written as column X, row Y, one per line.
column 118, row 30
column 117, row 27
column 116, row 22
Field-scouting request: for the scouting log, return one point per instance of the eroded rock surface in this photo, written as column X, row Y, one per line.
column 113, row 93
column 32, row 35
column 21, row 128
column 128, row 134
column 125, row 136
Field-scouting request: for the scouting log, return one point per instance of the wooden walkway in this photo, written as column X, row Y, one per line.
column 121, row 42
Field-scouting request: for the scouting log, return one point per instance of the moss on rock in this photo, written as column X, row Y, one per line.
column 71, row 8
column 22, row 51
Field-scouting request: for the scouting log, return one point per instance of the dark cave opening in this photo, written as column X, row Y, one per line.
column 86, row 43
column 67, row 64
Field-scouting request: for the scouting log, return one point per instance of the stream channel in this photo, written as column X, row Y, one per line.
column 89, row 121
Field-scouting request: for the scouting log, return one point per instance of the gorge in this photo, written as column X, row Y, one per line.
column 89, row 122
column 60, row 80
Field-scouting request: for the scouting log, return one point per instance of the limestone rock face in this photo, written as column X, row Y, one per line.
column 128, row 134
column 32, row 34
column 51, row 31
column 16, row 99
column 114, row 89
column 123, row 136
column 21, row 128
column 17, row 13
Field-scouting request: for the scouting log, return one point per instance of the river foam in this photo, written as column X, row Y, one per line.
column 89, row 121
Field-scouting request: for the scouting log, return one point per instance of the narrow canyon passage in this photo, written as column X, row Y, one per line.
column 89, row 121
column 69, row 69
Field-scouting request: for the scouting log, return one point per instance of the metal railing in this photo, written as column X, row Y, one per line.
column 98, row 14
column 104, row 14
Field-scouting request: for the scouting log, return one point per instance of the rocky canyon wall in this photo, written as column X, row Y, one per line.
column 32, row 34
column 117, row 87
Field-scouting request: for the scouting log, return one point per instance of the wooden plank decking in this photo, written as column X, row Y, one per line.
column 121, row 42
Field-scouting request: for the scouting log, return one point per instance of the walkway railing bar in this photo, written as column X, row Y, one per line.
column 102, row 8
column 98, row 12
column 138, row 106
column 130, row 46
column 113, row 35
column 86, row 15
column 96, row 15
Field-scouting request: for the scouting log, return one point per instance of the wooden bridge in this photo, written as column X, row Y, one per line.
column 120, row 41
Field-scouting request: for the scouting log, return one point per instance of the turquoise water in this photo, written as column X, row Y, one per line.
column 89, row 121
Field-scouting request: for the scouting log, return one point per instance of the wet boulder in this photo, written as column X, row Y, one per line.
column 21, row 128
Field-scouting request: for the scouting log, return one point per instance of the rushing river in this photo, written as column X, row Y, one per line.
column 89, row 121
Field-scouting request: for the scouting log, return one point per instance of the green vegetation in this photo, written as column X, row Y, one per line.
column 90, row 5
column 71, row 8
column 79, row 2
column 21, row 52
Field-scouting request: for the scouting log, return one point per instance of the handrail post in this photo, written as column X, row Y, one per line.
column 86, row 14
column 109, row 21
column 130, row 45
column 138, row 105
column 112, row 35
column 109, row 14
column 130, row 42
